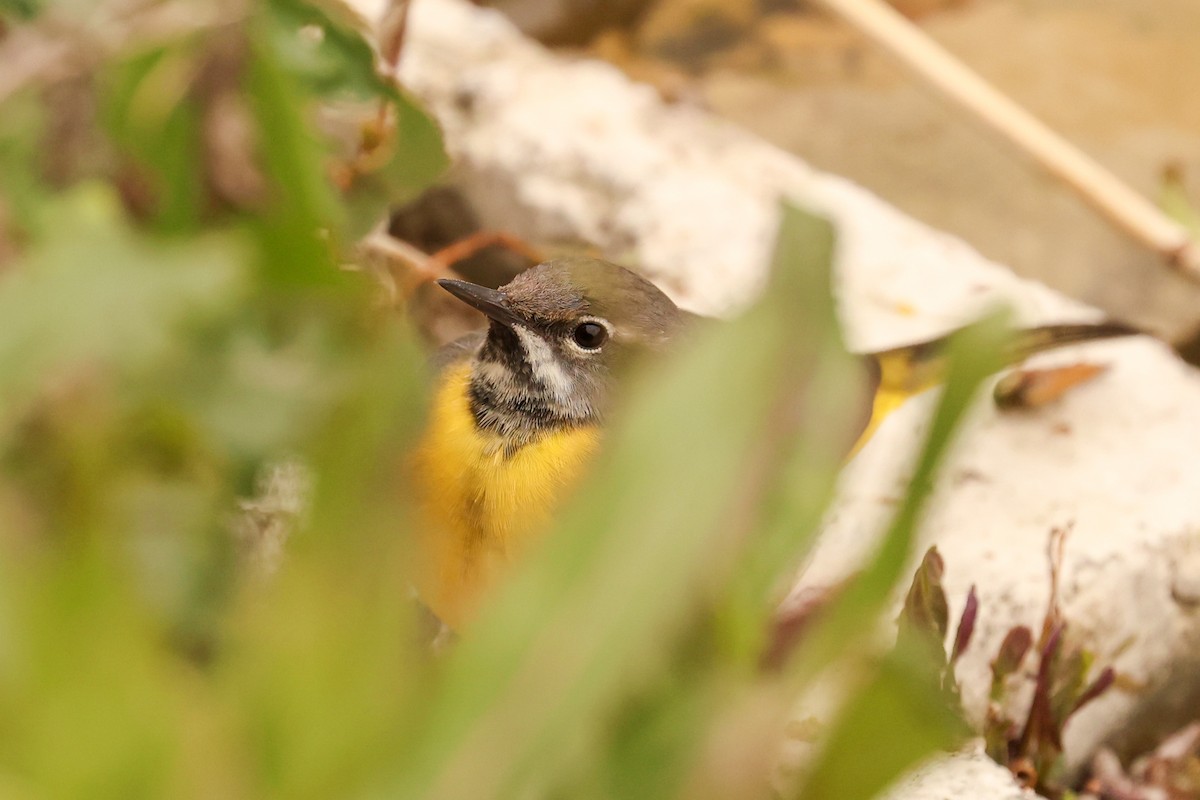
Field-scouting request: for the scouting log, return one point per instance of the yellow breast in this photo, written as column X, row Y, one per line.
column 480, row 504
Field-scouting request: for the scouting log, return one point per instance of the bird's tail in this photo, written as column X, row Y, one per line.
column 902, row 372
column 1047, row 337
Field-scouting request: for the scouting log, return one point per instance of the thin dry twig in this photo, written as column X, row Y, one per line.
column 1115, row 200
column 472, row 244
column 392, row 28
column 399, row 266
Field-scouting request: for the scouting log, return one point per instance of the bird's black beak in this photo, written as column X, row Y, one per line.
column 489, row 301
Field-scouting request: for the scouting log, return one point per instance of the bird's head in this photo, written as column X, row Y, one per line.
column 556, row 333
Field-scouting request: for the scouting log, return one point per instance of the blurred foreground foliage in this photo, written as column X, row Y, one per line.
column 173, row 210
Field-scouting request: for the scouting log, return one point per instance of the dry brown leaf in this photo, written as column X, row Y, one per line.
column 1034, row 388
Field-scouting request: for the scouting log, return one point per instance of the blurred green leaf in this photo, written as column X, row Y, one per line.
column 146, row 379
column 973, row 353
column 400, row 150
column 325, row 670
column 811, row 428
column 420, row 157
column 20, row 9
column 1176, row 201
column 651, row 743
column 325, row 49
column 304, row 206
column 116, row 296
column 22, row 134
column 413, row 159
column 904, row 692
column 898, row 718
column 152, row 113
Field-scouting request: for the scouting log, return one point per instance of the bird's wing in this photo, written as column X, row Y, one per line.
column 460, row 349
column 900, row 373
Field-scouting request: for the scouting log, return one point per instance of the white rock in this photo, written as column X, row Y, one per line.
column 551, row 147
column 969, row 774
column 1112, row 463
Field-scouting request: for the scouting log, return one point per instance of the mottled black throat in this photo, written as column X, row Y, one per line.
column 506, row 397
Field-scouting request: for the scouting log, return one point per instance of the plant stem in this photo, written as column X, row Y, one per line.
column 1100, row 188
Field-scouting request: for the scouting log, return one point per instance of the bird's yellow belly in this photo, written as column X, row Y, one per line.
column 480, row 505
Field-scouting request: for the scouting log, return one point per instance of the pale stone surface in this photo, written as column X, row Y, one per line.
column 1112, row 461
column 549, row 147
column 961, row 776
column 554, row 147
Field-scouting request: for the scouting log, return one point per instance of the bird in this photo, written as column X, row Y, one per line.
column 518, row 409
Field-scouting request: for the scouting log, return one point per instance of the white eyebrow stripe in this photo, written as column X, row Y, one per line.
column 545, row 365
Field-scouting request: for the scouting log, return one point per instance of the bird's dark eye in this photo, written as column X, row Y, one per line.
column 590, row 335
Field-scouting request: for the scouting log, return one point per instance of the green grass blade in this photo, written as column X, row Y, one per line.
column 896, row 719
column 974, row 354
